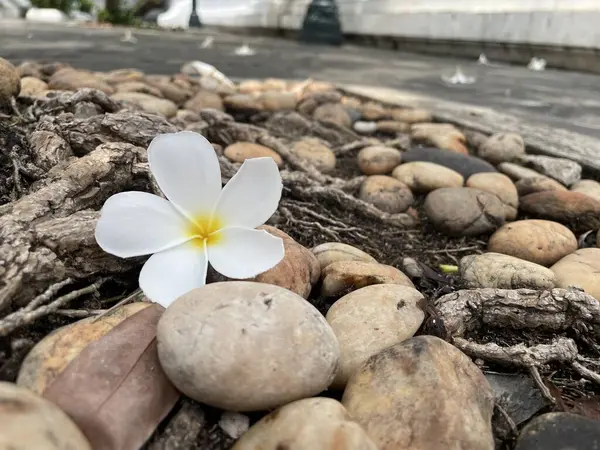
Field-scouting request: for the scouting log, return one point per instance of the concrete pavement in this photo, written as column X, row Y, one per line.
column 557, row 99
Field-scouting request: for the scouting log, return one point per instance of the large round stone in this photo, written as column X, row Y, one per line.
column 386, row 193
column 582, row 269
column 29, row 421
column 464, row 211
column 378, row 160
column 422, row 394
column 371, row 319
column 425, row 177
column 502, row 147
column 540, row 241
column 245, row 346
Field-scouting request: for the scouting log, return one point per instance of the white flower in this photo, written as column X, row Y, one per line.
column 199, row 223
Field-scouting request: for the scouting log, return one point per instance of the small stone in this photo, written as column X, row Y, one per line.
column 351, row 102
column 370, row 319
column 315, row 152
column 342, row 277
column 517, row 172
column 517, row 394
column 365, row 127
column 308, row 424
column 310, row 101
column 582, row 269
column 412, row 268
column 502, row 147
column 540, row 241
column 378, row 160
column 422, row 394
column 498, row 271
column 464, row 211
column 71, row 80
column 588, row 187
column 30, row 69
column 274, row 84
column 560, row 431
column 10, row 82
column 464, row 164
column 333, row 113
column 442, row 135
column 204, row 100
column 423, row 177
column 578, row 210
column 392, row 126
column 29, row 421
column 187, row 116
column 331, row 252
column 241, row 151
column 244, row 346
column 499, row 185
column 539, row 183
column 410, row 115
column 138, row 86
column 562, row 170
column 148, row 103
column 30, row 86
column 171, row 90
column 373, row 111
column 298, row 271
column 243, row 103
column 122, row 76
column 250, row 86
column 278, row 101
column 234, row 424
column 386, row 193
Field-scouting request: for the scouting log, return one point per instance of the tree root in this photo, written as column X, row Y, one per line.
column 556, row 310
column 36, row 308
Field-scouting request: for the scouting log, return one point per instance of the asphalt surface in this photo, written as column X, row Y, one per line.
column 558, row 99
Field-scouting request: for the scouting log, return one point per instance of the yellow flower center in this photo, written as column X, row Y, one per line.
column 205, row 228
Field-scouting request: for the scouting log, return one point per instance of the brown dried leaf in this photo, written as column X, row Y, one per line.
column 115, row 389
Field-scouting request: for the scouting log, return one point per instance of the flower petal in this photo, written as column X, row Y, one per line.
column 244, row 253
column 187, row 170
column 168, row 275
column 138, row 223
column 251, row 196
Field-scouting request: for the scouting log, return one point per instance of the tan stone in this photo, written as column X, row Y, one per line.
column 345, row 276
column 241, row 151
column 581, row 269
column 442, row 135
column 378, row 160
column 333, row 113
column 386, row 193
column 10, row 82
column 424, row 177
column 148, row 103
column 498, row 271
column 422, row 394
column 370, row 319
column 31, row 86
column 71, row 80
column 315, row 152
column 587, row 187
column 331, row 252
column 204, row 100
column 501, row 186
column 246, row 346
column 311, row 424
column 411, row 115
column 540, row 241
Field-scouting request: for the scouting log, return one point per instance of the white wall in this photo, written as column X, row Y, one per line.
column 550, row 22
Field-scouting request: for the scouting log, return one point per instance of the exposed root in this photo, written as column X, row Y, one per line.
column 36, row 308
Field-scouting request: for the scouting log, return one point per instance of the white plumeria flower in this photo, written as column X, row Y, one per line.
column 201, row 222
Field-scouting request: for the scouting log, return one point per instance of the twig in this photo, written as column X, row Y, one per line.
column 453, row 250
column 511, row 424
column 535, row 374
column 15, row 108
column 121, row 303
column 46, row 296
column 586, row 373
column 78, row 313
column 27, row 314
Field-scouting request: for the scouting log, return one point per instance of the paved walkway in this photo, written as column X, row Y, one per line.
column 559, row 99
